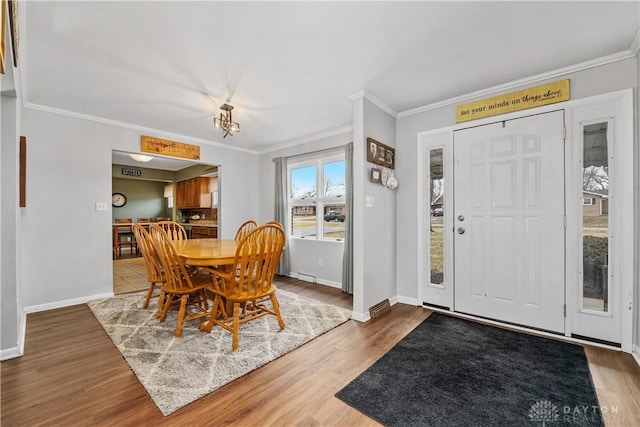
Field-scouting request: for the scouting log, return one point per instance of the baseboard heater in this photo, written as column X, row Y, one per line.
column 379, row 309
column 307, row 277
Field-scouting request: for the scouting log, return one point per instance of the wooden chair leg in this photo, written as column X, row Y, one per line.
column 236, row 325
column 181, row 312
column 165, row 309
column 160, row 303
column 217, row 309
column 152, row 287
column 276, row 308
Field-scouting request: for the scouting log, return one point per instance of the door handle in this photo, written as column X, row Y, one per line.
column 461, row 230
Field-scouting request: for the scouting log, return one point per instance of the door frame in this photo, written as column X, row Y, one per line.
column 443, row 138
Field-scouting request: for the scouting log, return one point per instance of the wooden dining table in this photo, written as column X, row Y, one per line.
column 206, row 252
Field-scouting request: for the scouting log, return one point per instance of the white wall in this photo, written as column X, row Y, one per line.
column 8, row 222
column 379, row 236
column 304, row 254
column 11, row 311
column 66, row 242
column 374, row 228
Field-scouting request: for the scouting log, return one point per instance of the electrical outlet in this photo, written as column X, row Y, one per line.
column 102, row 206
column 320, row 262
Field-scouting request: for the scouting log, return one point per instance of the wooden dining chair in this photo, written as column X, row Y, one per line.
column 190, row 290
column 248, row 285
column 162, row 218
column 155, row 275
column 245, row 229
column 173, row 229
column 124, row 236
column 144, row 220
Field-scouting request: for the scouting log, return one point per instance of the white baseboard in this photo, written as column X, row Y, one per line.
column 65, row 303
column 10, row 353
column 407, row 300
column 636, row 354
column 18, row 351
column 361, row 317
column 329, row 283
column 13, row 352
column 318, row 280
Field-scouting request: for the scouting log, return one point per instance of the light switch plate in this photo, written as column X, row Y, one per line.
column 368, row 201
column 102, row 206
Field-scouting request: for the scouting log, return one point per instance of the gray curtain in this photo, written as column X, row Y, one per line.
column 347, row 260
column 281, row 210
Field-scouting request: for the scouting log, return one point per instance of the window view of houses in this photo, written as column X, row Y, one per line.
column 595, row 217
column 316, row 198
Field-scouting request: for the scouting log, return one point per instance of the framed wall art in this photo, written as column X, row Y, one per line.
column 3, row 36
column 14, row 18
column 375, row 175
column 381, row 154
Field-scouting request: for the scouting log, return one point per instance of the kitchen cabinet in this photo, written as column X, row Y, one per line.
column 201, row 232
column 193, row 193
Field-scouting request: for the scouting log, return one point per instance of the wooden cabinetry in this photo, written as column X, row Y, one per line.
column 200, row 232
column 193, row 193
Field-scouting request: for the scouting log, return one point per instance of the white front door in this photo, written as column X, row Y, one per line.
column 509, row 221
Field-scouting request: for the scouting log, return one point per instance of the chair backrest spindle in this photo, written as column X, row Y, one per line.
column 174, row 230
column 245, row 228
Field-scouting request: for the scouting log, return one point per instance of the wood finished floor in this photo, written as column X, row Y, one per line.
column 72, row 375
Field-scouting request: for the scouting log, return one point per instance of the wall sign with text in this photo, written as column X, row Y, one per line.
column 150, row 144
column 131, row 172
column 515, row 101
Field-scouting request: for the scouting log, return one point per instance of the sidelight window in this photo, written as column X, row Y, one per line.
column 436, row 218
column 595, row 220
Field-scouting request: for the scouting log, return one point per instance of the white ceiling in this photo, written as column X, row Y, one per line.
column 289, row 67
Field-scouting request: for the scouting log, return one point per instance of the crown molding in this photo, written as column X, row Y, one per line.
column 143, row 129
column 308, row 138
column 620, row 56
column 374, row 100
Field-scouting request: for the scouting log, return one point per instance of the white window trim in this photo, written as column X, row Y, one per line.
column 317, row 160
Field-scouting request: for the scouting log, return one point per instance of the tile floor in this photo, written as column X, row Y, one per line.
column 129, row 275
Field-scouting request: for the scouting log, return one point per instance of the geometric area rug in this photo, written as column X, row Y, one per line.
column 177, row 371
column 453, row 372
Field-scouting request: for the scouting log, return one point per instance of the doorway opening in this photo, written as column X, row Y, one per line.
column 152, row 191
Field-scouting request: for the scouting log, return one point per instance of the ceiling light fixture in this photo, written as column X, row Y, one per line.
column 141, row 158
column 225, row 122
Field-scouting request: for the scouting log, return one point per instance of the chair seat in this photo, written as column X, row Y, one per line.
column 241, row 297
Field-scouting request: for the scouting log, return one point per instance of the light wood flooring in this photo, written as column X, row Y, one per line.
column 129, row 275
column 72, row 375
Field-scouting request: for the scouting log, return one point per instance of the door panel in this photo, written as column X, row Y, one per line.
column 509, row 221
